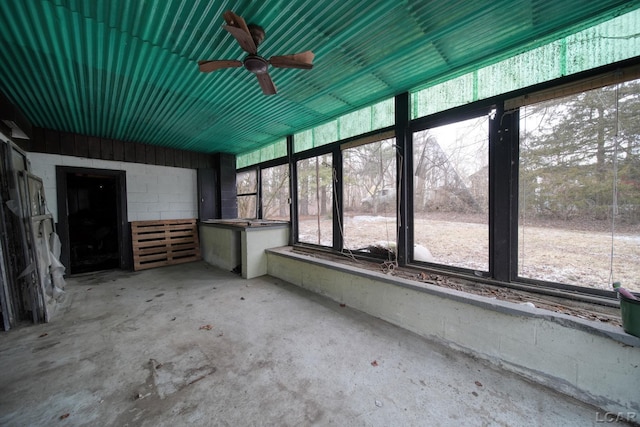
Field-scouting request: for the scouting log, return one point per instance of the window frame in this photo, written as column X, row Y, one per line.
column 458, row 114
column 258, row 171
column 503, row 184
column 255, row 194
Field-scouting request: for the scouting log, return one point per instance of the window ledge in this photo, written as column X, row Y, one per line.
column 600, row 328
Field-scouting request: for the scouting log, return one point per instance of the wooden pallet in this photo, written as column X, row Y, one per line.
column 165, row 242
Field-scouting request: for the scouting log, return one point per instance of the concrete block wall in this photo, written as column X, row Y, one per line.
column 592, row 361
column 153, row 192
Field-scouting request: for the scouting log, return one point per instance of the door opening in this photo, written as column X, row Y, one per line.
column 93, row 222
column 92, row 219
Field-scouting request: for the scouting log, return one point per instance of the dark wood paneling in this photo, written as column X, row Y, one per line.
column 93, row 144
column 177, row 158
column 52, row 141
column 160, row 152
column 67, row 144
column 195, row 160
column 38, row 143
column 150, row 154
column 118, row 150
column 70, row 144
column 129, row 152
column 169, row 158
column 226, row 166
column 106, row 149
column 141, row 153
column 81, row 145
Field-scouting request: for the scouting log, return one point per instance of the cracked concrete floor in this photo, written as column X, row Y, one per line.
column 194, row 345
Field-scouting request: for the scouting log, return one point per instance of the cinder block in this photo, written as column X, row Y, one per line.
column 143, row 197
column 81, row 162
column 134, row 168
column 168, row 197
column 47, row 159
column 144, row 216
column 106, row 164
column 135, row 186
column 133, row 206
column 169, row 183
column 141, row 178
column 177, row 207
column 284, row 268
column 173, row 215
column 153, row 170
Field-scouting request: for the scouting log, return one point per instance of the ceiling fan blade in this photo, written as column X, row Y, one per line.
column 208, row 66
column 302, row 60
column 240, row 31
column 267, row 85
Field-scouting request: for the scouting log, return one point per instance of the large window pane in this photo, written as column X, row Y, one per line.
column 275, row 193
column 247, row 192
column 451, row 194
column 579, row 201
column 315, row 200
column 369, row 196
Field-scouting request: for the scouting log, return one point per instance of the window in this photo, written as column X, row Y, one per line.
column 247, row 192
column 579, row 188
column 369, row 197
column 275, row 193
column 451, row 194
column 315, row 200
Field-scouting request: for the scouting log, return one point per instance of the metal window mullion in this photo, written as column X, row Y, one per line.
column 503, row 192
column 337, row 188
column 293, row 191
column 404, row 221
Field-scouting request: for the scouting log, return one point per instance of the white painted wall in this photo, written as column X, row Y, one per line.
column 153, row 192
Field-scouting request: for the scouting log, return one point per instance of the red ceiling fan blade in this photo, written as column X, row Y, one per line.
column 208, row 66
column 267, row 85
column 302, row 60
column 240, row 31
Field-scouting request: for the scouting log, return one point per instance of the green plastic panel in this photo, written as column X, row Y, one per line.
column 272, row 151
column 608, row 42
column 378, row 116
column 128, row 69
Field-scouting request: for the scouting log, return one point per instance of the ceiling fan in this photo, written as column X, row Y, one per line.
column 249, row 37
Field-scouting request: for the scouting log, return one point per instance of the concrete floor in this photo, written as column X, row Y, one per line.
column 135, row 349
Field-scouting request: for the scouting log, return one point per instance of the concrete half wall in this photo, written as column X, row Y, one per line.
column 594, row 362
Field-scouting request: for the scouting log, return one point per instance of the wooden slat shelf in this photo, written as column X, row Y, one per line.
column 164, row 242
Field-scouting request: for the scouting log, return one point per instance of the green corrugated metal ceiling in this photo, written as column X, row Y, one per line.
column 127, row 69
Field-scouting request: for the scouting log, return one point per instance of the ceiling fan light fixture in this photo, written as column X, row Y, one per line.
column 256, row 64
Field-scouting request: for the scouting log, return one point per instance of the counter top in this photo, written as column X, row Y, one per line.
column 244, row 224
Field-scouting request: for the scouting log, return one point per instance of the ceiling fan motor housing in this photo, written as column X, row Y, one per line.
column 256, row 64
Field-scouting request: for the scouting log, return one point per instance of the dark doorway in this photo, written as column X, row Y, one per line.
column 92, row 219
column 93, row 223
